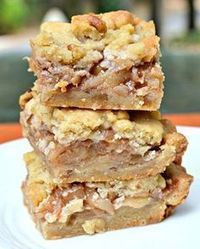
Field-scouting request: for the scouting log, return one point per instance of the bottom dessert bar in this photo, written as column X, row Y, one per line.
column 89, row 207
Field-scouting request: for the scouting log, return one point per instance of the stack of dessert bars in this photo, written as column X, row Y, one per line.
column 103, row 157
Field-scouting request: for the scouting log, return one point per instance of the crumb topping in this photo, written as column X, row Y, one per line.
column 69, row 125
column 114, row 34
column 94, row 226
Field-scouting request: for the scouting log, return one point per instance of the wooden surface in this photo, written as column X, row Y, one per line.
column 13, row 131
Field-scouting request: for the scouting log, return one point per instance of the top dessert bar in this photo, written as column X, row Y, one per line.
column 104, row 61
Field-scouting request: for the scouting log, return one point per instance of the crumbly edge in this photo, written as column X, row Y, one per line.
column 69, row 125
column 116, row 34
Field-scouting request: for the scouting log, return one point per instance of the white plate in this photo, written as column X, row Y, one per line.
column 17, row 231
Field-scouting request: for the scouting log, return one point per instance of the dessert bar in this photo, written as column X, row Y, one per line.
column 86, row 145
column 90, row 207
column 104, row 61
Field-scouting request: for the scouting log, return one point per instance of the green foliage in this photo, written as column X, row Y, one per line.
column 13, row 14
column 190, row 38
column 109, row 5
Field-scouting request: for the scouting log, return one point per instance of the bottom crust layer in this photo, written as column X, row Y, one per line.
column 124, row 217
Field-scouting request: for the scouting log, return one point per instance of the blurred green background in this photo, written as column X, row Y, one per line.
column 177, row 23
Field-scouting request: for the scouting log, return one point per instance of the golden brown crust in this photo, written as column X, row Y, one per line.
column 178, row 183
column 89, row 25
column 24, row 99
column 64, row 98
column 180, row 142
column 95, row 26
column 103, row 27
column 131, row 218
column 117, row 19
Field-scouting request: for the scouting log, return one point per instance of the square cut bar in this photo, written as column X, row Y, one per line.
column 105, row 61
column 88, row 208
column 86, row 145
